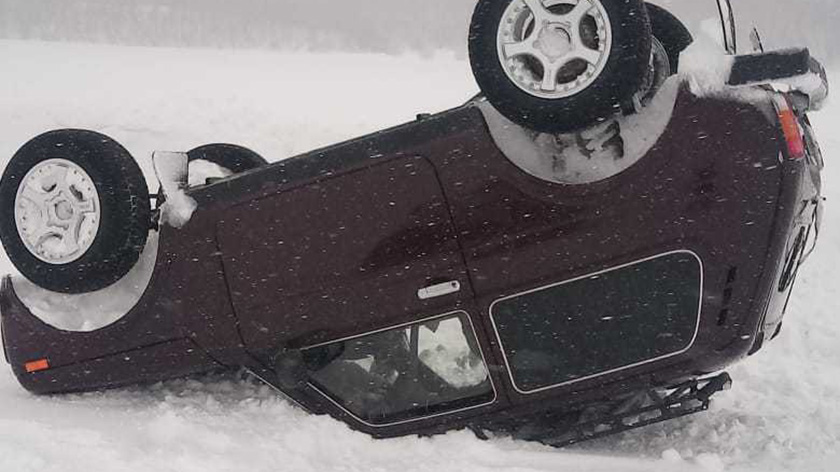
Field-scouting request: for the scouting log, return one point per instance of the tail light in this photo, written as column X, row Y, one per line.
column 790, row 127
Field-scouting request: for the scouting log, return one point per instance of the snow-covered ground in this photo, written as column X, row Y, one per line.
column 783, row 413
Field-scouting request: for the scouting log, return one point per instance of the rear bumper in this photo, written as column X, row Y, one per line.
column 84, row 361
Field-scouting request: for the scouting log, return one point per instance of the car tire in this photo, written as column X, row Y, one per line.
column 516, row 74
column 671, row 32
column 659, row 71
column 74, row 211
column 233, row 158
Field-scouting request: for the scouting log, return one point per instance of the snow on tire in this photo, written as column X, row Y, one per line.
column 559, row 65
column 74, row 211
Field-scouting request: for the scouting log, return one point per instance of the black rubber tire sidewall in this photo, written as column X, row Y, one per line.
column 123, row 199
column 236, row 159
column 671, row 32
column 617, row 83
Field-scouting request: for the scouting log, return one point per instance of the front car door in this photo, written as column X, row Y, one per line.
column 341, row 255
column 362, row 274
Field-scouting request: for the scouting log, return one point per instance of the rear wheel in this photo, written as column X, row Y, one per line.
column 215, row 161
column 230, row 157
column 74, row 211
column 559, row 65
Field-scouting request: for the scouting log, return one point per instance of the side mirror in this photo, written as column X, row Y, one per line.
column 727, row 21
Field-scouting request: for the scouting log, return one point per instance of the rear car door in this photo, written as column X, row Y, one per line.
column 573, row 282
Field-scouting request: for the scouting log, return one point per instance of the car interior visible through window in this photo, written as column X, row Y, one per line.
column 404, row 373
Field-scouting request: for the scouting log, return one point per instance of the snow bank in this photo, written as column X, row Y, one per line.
column 312, row 25
column 235, row 424
column 91, row 311
column 562, row 159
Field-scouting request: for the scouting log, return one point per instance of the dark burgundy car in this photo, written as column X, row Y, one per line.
column 581, row 252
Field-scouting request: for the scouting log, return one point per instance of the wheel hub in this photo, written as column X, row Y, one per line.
column 554, row 41
column 57, row 211
column 63, row 210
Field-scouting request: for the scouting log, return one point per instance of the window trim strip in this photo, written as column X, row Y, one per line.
column 587, row 276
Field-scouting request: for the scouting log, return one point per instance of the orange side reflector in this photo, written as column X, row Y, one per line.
column 35, row 366
column 790, row 128
column 793, row 134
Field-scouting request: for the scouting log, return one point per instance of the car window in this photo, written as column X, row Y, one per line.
column 404, row 373
column 601, row 323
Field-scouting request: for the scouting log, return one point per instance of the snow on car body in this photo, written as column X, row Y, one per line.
column 419, row 279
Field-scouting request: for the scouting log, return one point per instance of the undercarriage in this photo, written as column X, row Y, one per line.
column 637, row 410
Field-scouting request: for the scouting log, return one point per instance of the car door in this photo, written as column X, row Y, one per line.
column 342, row 255
column 566, row 290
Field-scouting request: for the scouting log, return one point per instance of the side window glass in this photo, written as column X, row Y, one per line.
column 404, row 373
column 605, row 322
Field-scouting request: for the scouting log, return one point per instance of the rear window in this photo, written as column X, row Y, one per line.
column 600, row 323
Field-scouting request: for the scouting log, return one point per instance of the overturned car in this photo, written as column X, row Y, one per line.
column 580, row 250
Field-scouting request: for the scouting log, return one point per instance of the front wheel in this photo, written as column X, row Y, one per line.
column 559, row 65
column 74, row 211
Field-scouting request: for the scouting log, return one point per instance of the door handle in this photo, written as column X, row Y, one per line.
column 439, row 290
